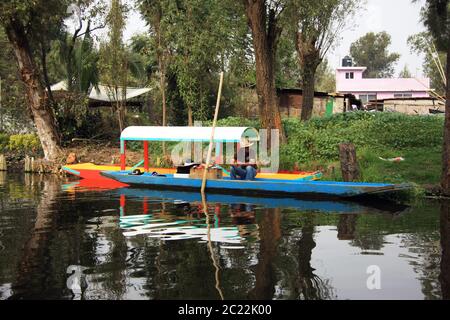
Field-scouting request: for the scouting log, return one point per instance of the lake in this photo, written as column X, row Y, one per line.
column 61, row 241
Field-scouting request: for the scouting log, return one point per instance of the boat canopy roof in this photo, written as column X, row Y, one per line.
column 197, row 134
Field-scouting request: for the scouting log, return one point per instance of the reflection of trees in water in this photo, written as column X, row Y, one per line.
column 270, row 234
column 34, row 267
column 347, row 226
column 182, row 270
column 366, row 235
column 17, row 204
column 299, row 280
column 425, row 265
column 435, row 281
column 57, row 237
column 444, row 277
column 115, row 265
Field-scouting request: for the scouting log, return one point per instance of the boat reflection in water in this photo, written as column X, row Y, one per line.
column 189, row 222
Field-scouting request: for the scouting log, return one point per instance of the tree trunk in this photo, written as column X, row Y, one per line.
column 41, row 113
column 265, row 43
column 120, row 116
column 45, row 74
column 309, row 77
column 309, row 60
column 162, row 81
column 445, row 183
column 190, row 121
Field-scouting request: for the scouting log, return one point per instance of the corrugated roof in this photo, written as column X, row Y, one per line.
column 105, row 93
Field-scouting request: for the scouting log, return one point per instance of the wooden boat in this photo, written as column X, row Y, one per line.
column 297, row 188
column 91, row 173
column 292, row 185
column 91, row 177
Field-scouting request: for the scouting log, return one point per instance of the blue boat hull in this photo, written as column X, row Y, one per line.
column 316, row 189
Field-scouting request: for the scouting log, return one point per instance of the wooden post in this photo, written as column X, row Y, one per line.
column 349, row 164
column 216, row 114
column 28, row 167
column 123, row 146
column 146, row 166
column 2, row 163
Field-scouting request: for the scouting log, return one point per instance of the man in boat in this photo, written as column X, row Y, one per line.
column 246, row 170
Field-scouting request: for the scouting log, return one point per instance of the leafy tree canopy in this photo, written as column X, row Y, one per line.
column 371, row 51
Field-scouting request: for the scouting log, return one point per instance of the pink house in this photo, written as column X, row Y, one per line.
column 350, row 80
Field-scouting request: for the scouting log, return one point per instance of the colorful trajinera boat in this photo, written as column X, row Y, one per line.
column 303, row 184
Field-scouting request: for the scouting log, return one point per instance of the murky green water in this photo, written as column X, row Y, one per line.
column 58, row 241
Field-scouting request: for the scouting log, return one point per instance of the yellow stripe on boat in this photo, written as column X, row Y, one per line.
column 95, row 167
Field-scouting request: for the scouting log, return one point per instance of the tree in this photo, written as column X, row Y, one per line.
column 77, row 51
column 371, row 51
column 113, row 61
column 423, row 43
column 405, row 73
column 436, row 16
column 12, row 103
column 23, row 22
column 287, row 69
column 191, row 42
column 264, row 21
column 317, row 25
column 153, row 13
column 325, row 80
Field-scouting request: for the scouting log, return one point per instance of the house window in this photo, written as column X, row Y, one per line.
column 403, row 95
column 365, row 98
column 349, row 75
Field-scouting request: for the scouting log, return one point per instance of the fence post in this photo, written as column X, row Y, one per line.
column 349, row 164
column 2, row 162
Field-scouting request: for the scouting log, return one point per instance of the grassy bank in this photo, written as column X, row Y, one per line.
column 418, row 139
column 314, row 145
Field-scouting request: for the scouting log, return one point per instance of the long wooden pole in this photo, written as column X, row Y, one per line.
column 205, row 205
column 216, row 113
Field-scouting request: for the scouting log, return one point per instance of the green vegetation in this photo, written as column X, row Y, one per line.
column 19, row 143
column 418, row 139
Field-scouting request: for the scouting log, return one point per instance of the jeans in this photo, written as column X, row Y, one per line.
column 237, row 173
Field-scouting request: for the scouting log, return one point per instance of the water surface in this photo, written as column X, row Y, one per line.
column 59, row 241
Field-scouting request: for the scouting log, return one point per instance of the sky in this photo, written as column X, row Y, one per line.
column 399, row 18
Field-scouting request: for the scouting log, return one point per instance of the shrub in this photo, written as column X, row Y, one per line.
column 318, row 139
column 24, row 142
